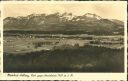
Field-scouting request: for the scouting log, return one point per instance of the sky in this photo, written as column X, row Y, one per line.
column 109, row 10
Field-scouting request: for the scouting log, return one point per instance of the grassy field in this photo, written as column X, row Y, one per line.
column 28, row 43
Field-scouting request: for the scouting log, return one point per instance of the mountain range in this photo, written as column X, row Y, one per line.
column 66, row 22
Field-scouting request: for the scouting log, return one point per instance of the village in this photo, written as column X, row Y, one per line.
column 27, row 43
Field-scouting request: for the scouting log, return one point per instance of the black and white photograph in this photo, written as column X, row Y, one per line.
column 80, row 38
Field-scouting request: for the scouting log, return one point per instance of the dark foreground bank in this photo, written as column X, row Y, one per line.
column 84, row 59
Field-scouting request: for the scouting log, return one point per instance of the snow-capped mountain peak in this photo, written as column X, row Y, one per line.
column 92, row 16
column 68, row 16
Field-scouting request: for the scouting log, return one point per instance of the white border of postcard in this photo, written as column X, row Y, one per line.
column 63, row 76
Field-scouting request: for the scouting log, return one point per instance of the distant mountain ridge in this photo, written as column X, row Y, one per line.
column 89, row 23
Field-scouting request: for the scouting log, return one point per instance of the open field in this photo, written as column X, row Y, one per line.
column 24, row 43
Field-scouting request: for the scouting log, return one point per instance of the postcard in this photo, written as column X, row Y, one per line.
column 61, row 40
